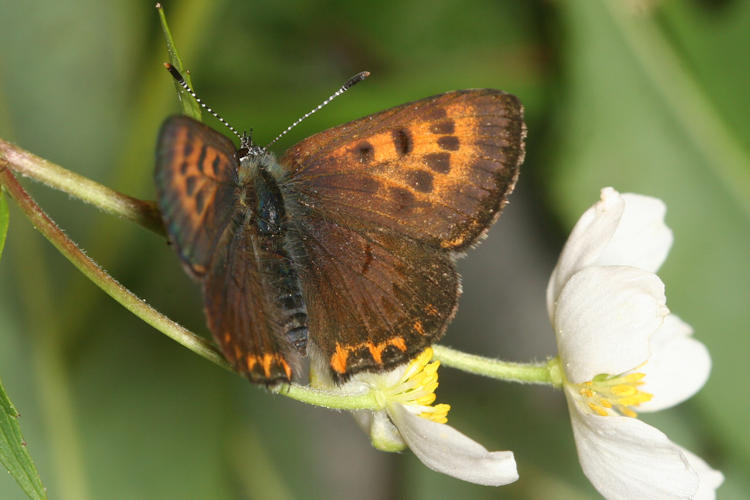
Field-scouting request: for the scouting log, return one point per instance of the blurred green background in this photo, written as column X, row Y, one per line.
column 646, row 96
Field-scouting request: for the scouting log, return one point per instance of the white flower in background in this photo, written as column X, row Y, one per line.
column 408, row 418
column 620, row 349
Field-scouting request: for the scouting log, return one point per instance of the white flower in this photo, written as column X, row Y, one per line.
column 408, row 418
column 620, row 349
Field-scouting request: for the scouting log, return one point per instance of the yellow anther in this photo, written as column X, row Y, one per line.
column 624, row 390
column 611, row 395
column 598, row 409
column 417, row 387
column 437, row 413
column 635, row 377
column 427, row 400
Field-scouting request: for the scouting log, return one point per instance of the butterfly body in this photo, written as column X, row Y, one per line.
column 346, row 243
column 266, row 220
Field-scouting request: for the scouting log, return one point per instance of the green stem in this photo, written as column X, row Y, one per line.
column 547, row 373
column 333, row 400
column 100, row 277
column 108, row 200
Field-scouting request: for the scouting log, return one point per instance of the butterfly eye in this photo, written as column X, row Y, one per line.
column 242, row 152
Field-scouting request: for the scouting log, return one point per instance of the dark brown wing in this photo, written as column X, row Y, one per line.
column 196, row 179
column 196, row 182
column 437, row 170
column 381, row 206
column 373, row 299
column 244, row 323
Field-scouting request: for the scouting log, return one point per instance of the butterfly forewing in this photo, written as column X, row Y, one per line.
column 437, row 170
column 196, row 185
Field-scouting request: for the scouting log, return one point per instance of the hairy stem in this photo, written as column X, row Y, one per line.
column 529, row 373
column 108, row 200
column 100, row 277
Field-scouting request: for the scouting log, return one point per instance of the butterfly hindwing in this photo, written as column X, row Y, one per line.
column 238, row 307
column 374, row 299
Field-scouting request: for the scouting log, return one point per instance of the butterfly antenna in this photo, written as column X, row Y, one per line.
column 349, row 84
column 182, row 83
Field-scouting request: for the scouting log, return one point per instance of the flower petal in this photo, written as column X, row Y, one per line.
column 678, row 366
column 626, row 458
column 709, row 479
column 589, row 236
column 621, row 230
column 603, row 319
column 642, row 239
column 443, row 449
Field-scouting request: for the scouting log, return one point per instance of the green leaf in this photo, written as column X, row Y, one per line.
column 4, row 219
column 189, row 105
column 13, row 453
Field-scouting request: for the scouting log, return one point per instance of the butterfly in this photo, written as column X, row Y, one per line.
column 343, row 248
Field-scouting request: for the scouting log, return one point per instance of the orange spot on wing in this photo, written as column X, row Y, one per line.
column 251, row 362
column 454, row 242
column 286, row 367
column 431, row 310
column 399, row 343
column 267, row 360
column 376, row 351
column 338, row 360
column 418, row 327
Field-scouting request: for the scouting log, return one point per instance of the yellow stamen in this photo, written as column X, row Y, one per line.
column 426, row 400
column 438, row 413
column 613, row 395
column 417, row 388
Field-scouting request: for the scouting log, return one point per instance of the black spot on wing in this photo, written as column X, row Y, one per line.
column 403, row 197
column 190, row 183
column 438, row 162
column 402, row 141
column 202, row 158
column 449, row 142
column 443, row 127
column 365, row 152
column 421, row 180
column 200, row 201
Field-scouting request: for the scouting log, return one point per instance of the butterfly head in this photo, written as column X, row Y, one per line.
column 249, row 151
